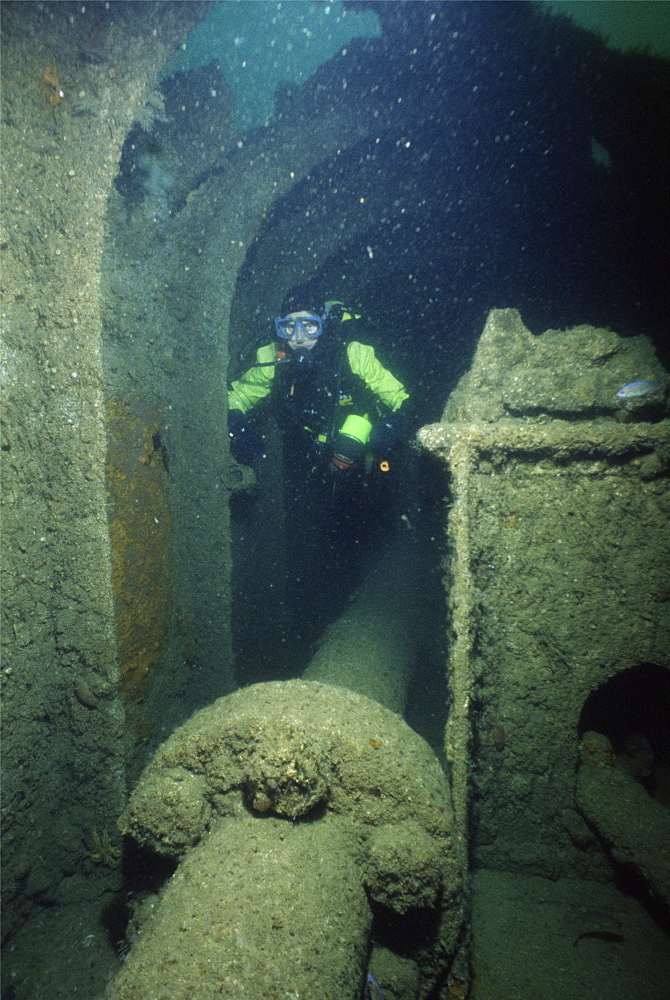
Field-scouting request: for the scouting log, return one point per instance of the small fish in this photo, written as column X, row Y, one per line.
column 160, row 445
column 642, row 388
column 598, row 924
column 609, row 936
column 90, row 57
column 375, row 987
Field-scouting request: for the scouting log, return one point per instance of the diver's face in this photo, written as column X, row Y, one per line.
column 303, row 327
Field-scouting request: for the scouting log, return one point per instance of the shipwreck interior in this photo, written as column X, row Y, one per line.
column 632, row 710
column 258, row 747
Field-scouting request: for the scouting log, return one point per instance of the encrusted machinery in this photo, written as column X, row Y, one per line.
column 558, row 582
column 302, row 814
column 314, row 829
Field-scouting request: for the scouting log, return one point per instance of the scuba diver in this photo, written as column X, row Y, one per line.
column 334, row 401
column 340, row 413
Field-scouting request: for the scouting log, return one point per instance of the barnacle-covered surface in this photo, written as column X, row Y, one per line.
column 223, row 791
column 63, row 723
column 561, row 550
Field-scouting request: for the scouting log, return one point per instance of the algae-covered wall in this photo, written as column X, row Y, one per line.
column 559, row 576
column 74, row 76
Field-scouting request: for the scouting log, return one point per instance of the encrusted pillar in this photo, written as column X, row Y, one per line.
column 73, row 78
column 559, row 572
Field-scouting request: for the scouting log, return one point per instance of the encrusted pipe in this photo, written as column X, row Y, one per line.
column 300, row 811
column 371, row 647
column 632, row 825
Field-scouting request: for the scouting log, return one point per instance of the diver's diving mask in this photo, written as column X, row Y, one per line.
column 310, row 327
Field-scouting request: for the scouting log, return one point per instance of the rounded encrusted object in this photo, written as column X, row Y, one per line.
column 403, row 869
column 168, row 811
column 284, row 781
column 594, row 748
column 291, row 749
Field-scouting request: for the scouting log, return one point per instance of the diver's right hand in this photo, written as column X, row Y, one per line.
column 246, row 443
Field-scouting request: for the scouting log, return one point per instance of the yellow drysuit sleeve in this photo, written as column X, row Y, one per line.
column 364, row 362
column 255, row 384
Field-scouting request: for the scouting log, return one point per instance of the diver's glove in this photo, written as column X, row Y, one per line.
column 388, row 432
column 246, row 444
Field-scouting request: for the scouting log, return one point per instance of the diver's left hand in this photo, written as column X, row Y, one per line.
column 388, row 432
